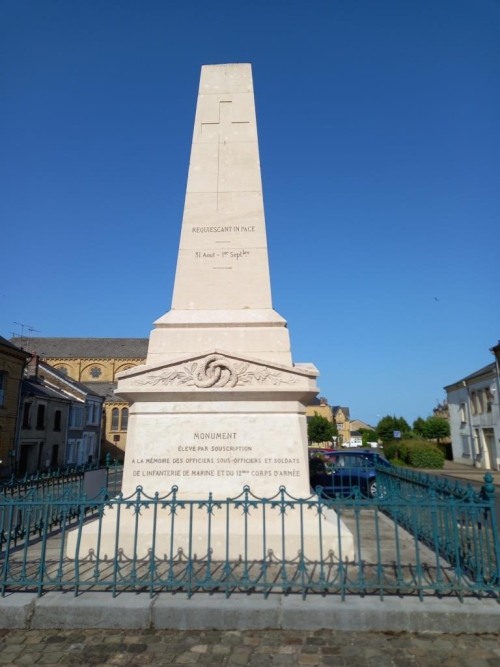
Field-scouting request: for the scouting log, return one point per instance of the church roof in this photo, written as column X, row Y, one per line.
column 106, row 390
column 89, row 348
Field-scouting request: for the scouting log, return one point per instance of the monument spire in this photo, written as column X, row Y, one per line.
column 223, row 261
column 222, row 290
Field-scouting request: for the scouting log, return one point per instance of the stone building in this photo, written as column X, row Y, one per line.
column 12, row 364
column 334, row 413
column 473, row 404
column 60, row 421
column 343, row 421
column 95, row 362
column 319, row 406
column 43, row 428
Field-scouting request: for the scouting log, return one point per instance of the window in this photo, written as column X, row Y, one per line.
column 95, row 372
column 93, row 414
column 473, row 405
column 71, row 451
column 114, row 419
column 26, row 415
column 76, row 416
column 90, row 445
column 480, row 403
column 463, row 417
column 488, row 399
column 57, row 420
column 55, row 456
column 3, row 382
column 477, row 442
column 90, row 413
column 124, row 423
column 40, row 417
column 340, row 425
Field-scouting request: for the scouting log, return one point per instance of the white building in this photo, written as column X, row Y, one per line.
column 475, row 418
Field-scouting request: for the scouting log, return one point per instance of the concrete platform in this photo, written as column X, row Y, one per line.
column 247, row 612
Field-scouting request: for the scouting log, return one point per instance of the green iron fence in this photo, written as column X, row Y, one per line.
column 57, row 482
column 415, row 537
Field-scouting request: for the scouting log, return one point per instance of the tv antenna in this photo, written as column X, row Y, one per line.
column 26, row 337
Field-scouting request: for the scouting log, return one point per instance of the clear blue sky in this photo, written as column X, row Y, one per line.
column 380, row 151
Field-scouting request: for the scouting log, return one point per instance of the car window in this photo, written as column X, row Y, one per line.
column 357, row 461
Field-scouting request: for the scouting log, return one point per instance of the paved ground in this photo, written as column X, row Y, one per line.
column 252, row 648
column 466, row 473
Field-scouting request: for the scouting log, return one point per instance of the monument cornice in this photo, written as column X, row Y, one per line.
column 219, row 372
column 299, row 370
column 254, row 317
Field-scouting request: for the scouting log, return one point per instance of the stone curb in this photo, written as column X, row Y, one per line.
column 245, row 612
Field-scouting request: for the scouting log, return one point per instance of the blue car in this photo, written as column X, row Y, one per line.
column 339, row 472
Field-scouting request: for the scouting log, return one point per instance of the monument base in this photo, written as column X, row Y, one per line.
column 226, row 532
column 193, row 450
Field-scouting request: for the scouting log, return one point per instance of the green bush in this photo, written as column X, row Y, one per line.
column 396, row 450
column 425, row 455
column 415, row 453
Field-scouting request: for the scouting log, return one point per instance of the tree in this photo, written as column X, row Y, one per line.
column 419, row 426
column 436, row 428
column 387, row 425
column 319, row 429
column 368, row 435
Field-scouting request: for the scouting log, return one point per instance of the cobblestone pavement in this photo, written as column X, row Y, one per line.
column 255, row 648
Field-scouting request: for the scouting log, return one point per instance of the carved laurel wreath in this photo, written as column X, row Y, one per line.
column 216, row 371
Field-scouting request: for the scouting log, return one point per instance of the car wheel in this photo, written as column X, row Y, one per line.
column 372, row 489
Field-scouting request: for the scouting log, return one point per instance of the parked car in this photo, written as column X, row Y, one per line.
column 340, row 472
column 312, row 451
column 356, row 443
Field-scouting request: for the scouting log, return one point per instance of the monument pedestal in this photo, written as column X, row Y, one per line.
column 214, row 441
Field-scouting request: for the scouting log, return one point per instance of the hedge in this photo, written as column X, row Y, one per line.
column 425, row 455
column 416, row 453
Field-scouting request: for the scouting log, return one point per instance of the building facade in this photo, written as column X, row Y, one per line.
column 335, row 414
column 475, row 418
column 343, row 421
column 96, row 362
column 43, row 428
column 12, row 364
column 60, row 421
column 85, row 415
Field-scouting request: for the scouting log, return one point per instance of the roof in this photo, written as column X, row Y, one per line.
column 66, row 378
column 37, row 389
column 486, row 370
column 5, row 343
column 88, row 348
column 106, row 390
column 336, row 408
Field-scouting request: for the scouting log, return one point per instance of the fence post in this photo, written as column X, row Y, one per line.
column 488, row 494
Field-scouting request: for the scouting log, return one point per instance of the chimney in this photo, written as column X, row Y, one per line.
column 33, row 366
column 323, row 401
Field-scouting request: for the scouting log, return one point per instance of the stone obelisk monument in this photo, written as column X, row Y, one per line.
column 219, row 403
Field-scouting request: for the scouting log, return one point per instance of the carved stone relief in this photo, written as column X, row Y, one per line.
column 216, row 371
